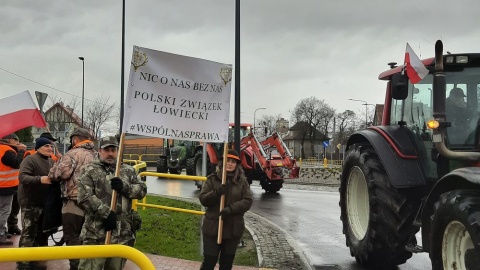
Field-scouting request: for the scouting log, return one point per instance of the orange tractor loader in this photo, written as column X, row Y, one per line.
column 268, row 161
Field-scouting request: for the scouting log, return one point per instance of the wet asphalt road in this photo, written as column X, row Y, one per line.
column 311, row 217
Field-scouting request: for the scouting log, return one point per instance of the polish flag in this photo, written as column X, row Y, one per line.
column 416, row 71
column 19, row 111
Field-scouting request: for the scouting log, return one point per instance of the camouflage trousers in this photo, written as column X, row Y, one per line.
column 113, row 263
column 32, row 234
column 102, row 263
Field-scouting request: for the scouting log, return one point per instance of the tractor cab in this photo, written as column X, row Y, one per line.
column 455, row 108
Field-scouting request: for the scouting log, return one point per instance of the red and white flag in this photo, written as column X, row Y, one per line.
column 416, row 71
column 19, row 111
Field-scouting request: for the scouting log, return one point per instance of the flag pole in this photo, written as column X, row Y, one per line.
column 222, row 198
column 113, row 204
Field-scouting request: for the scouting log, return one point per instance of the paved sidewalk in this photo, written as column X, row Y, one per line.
column 160, row 262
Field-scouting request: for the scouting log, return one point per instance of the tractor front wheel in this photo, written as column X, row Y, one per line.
column 162, row 166
column 377, row 217
column 190, row 166
column 456, row 231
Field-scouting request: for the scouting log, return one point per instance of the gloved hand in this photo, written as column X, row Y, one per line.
column 116, row 183
column 226, row 212
column 221, row 190
column 111, row 222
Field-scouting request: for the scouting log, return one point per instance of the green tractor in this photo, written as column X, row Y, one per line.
column 176, row 156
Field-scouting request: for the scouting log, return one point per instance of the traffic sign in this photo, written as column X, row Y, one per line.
column 41, row 97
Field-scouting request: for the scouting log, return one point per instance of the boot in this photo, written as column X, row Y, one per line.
column 23, row 266
column 4, row 241
column 226, row 261
column 38, row 265
column 209, row 262
column 14, row 230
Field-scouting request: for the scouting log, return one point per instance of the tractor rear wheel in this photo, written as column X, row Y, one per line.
column 162, row 165
column 456, row 231
column 377, row 218
column 271, row 186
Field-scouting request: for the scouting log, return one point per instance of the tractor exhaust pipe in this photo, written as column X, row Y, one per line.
column 439, row 84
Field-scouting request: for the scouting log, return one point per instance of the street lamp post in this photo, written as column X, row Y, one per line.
column 366, row 108
column 254, row 124
column 83, row 83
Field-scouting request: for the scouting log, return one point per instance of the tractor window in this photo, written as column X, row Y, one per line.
column 462, row 109
column 416, row 110
column 244, row 131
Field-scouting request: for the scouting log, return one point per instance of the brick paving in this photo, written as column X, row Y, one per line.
column 160, row 262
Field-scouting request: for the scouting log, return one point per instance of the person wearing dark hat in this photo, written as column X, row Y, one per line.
column 458, row 115
column 67, row 171
column 32, row 195
column 12, row 222
column 95, row 190
column 48, row 136
column 238, row 200
column 11, row 155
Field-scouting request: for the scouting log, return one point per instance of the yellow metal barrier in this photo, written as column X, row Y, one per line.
column 76, row 252
column 144, row 203
column 174, row 176
column 170, row 208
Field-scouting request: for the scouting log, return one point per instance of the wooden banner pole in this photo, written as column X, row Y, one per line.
column 222, row 198
column 113, row 204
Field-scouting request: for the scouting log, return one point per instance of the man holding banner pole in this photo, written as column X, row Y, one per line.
column 105, row 191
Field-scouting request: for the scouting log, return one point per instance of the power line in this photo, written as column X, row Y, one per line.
column 44, row 85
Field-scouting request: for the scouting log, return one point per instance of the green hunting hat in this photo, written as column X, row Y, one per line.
column 82, row 132
column 108, row 141
column 11, row 136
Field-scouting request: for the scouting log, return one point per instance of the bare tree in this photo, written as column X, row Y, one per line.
column 316, row 116
column 97, row 113
column 346, row 126
column 269, row 122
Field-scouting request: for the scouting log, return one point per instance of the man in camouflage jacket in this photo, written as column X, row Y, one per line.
column 68, row 170
column 94, row 196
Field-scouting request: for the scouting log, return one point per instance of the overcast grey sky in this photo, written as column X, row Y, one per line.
column 290, row 50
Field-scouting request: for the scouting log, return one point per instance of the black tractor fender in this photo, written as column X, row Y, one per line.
column 462, row 178
column 396, row 151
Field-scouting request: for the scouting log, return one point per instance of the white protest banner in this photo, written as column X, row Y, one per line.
column 177, row 97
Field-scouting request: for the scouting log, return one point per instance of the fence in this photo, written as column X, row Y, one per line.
column 147, row 153
column 320, row 162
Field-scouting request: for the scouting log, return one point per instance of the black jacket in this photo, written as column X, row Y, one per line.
column 31, row 191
